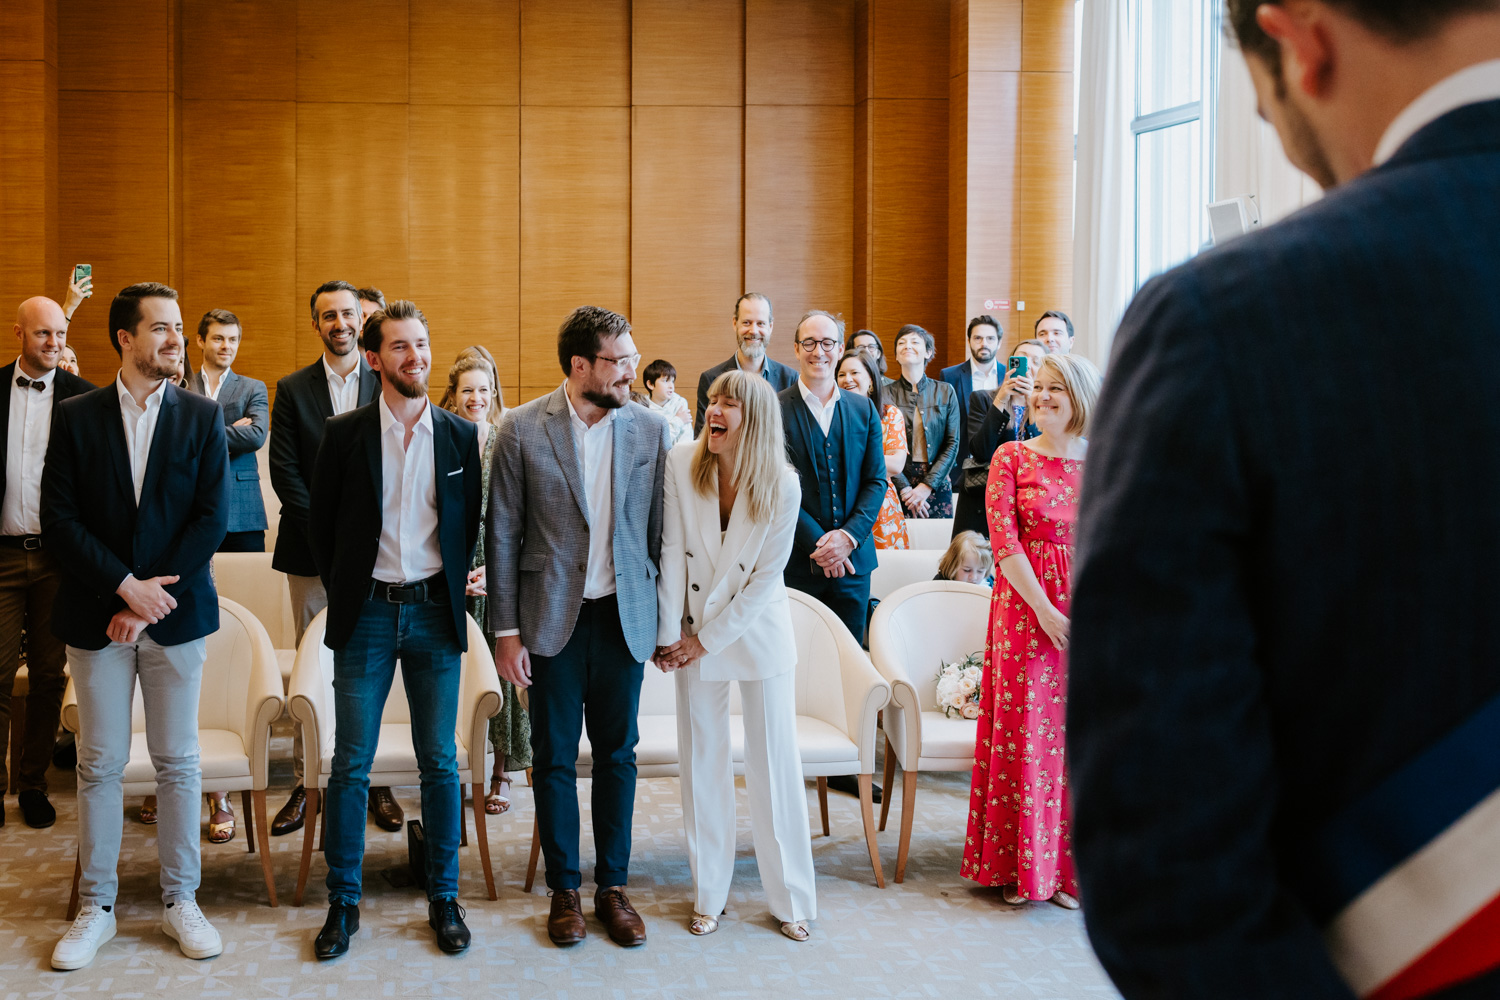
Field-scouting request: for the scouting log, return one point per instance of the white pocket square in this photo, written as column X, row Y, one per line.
column 456, row 471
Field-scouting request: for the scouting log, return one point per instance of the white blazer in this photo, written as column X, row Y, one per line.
column 728, row 593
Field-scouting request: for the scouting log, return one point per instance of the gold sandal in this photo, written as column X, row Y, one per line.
column 148, row 810
column 795, row 929
column 222, row 832
column 1064, row 899
column 701, row 925
column 1013, row 896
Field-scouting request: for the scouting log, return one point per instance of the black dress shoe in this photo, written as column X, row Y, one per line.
column 849, row 784
column 386, row 810
column 333, row 939
column 36, row 810
column 290, row 817
column 447, row 918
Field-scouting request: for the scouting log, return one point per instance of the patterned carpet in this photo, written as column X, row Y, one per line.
column 936, row 935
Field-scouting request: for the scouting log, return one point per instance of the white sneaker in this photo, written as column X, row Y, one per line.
column 185, row 923
column 93, row 926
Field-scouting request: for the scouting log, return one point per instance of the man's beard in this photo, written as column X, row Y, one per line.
column 152, row 369
column 411, row 389
column 604, row 400
column 985, row 355
column 337, row 351
column 755, row 350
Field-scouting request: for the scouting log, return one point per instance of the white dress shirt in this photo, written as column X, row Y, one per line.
column 140, row 429
column 343, row 390
column 984, row 378
column 210, row 387
column 1470, row 85
column 25, row 453
column 595, row 448
column 822, row 414
column 409, row 549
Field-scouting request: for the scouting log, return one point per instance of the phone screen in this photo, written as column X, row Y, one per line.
column 83, row 271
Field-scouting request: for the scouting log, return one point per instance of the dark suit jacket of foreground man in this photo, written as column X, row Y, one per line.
column 1288, row 571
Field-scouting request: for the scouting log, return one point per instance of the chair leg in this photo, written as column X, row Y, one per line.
column 73, row 900
column 249, row 821
column 890, row 774
column 536, row 851
column 482, row 836
column 823, row 802
column 256, row 804
column 307, row 843
column 867, row 808
column 908, row 813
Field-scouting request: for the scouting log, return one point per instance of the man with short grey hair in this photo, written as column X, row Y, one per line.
column 753, row 324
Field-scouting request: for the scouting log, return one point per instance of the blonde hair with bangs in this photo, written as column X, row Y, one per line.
column 1080, row 381
column 760, row 456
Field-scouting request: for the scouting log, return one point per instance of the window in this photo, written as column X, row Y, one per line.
column 1176, row 64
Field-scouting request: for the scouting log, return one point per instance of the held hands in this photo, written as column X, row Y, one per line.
column 683, row 653
column 513, row 660
column 832, row 554
column 1056, row 625
column 125, row 627
column 915, row 498
column 147, row 598
column 474, row 583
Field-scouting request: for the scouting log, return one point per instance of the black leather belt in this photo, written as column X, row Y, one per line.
column 31, row 543
column 431, row 589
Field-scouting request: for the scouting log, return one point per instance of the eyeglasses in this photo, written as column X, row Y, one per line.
column 628, row 361
column 826, row 346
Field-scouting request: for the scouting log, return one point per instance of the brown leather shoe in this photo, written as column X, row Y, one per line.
column 385, row 809
column 291, row 816
column 613, row 909
column 565, row 923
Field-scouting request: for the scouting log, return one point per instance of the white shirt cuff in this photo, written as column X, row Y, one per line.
column 507, row 631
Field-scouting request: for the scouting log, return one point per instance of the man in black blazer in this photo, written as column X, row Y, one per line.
column 753, row 324
column 336, row 383
column 835, row 442
column 30, row 389
column 394, row 519
column 247, row 417
column 980, row 371
column 1285, row 672
column 134, row 504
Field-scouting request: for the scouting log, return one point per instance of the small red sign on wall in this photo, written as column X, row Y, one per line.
column 993, row 304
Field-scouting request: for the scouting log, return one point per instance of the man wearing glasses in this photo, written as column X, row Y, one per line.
column 833, row 439
column 574, row 537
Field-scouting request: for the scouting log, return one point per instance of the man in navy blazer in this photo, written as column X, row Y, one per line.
column 1285, row 674
column 247, row 417
column 834, row 441
column 134, row 504
column 393, row 522
column 753, row 324
column 980, row 371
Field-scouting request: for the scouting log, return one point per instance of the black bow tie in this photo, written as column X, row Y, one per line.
column 24, row 382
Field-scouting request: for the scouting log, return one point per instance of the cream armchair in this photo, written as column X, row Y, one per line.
column 913, row 632
column 395, row 757
column 896, row 568
column 239, row 699
column 248, row 579
column 929, row 532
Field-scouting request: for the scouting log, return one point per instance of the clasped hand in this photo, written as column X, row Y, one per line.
column 683, row 653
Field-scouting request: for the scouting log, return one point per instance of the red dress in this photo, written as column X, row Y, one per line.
column 1018, row 802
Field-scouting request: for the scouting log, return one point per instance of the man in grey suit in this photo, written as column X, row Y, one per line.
column 574, row 536
column 247, row 418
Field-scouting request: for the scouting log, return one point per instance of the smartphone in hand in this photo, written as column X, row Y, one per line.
column 81, row 271
column 1018, row 365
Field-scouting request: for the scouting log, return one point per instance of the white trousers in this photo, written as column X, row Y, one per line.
column 773, row 779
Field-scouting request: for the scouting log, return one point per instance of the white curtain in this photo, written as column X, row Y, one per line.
column 1248, row 158
column 1103, row 227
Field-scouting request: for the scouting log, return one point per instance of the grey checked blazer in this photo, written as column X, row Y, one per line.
column 242, row 397
column 538, row 531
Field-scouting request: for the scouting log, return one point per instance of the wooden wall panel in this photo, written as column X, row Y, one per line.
column 575, row 226
column 984, row 112
column 109, row 45
column 466, row 52
column 686, row 250
column 239, row 182
column 351, row 203
column 909, row 253
column 28, row 31
column 239, row 51
column 1047, row 38
column 352, row 51
column 798, row 52
column 985, row 36
column 465, row 233
column 799, row 212
column 575, row 53
column 29, row 263
column 1044, row 232
column 688, row 53
column 909, row 47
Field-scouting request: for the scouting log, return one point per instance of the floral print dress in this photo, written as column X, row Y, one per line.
column 1018, row 802
column 890, row 524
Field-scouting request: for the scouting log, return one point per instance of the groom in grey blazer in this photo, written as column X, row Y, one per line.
column 247, row 419
column 575, row 519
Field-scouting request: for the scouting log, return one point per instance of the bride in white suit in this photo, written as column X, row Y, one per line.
column 730, row 512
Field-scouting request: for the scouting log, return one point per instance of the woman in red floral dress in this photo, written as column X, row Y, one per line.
column 1018, row 805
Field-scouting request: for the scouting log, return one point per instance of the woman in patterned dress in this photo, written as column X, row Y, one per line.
column 474, row 393
column 1019, row 813
column 856, row 373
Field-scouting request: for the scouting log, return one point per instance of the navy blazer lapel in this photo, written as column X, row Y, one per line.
column 369, row 384
column 155, row 458
column 321, row 399
column 374, row 459
column 119, row 454
column 559, row 426
column 8, row 373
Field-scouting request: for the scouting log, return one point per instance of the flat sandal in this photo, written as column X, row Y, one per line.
column 795, row 929
column 701, row 925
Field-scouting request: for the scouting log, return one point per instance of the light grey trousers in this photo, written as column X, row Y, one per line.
column 308, row 598
column 104, row 680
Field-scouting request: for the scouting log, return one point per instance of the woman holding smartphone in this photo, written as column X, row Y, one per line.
column 730, row 514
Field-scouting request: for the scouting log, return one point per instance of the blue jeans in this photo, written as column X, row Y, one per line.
column 421, row 637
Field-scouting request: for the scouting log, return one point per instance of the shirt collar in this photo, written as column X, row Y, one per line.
column 46, row 378
column 976, row 369
column 154, row 399
column 812, row 397
column 342, row 379
column 609, row 415
column 1470, row 85
column 388, row 419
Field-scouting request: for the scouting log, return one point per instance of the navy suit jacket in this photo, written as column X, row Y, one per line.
column 99, row 535
column 301, row 409
column 1285, row 587
column 345, row 517
column 242, row 397
column 861, row 481
column 961, row 377
column 65, row 385
column 779, row 375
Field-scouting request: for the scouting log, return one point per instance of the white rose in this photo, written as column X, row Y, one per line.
column 970, row 710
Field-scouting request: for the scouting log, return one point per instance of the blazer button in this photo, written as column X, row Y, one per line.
column 690, row 555
column 583, row 567
column 695, row 586
column 690, row 619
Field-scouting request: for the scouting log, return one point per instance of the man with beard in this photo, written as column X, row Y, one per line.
column 575, row 517
column 753, row 323
column 134, row 503
column 978, row 373
column 394, row 517
column 1285, row 679
column 335, row 383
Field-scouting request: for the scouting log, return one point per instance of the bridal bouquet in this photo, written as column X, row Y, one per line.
column 958, row 687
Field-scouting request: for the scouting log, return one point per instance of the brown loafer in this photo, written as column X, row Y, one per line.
column 385, row 809
column 291, row 816
column 613, row 909
column 565, row 924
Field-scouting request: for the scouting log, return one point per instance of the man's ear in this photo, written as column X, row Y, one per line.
column 372, row 358
column 1300, row 28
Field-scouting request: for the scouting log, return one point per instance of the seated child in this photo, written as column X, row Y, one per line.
column 969, row 559
column 660, row 379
